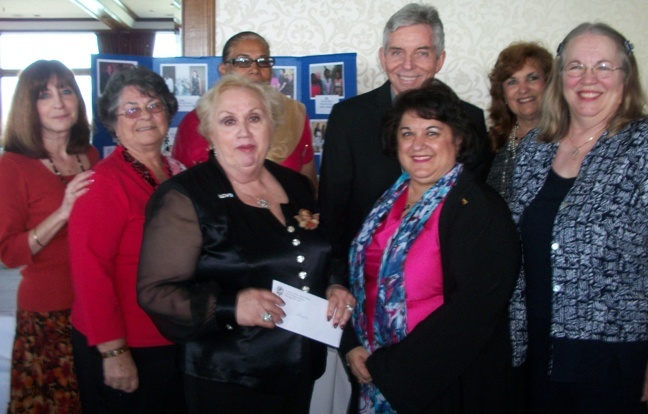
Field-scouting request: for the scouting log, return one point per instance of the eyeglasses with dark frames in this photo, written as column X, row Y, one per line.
column 246, row 62
column 601, row 70
column 136, row 112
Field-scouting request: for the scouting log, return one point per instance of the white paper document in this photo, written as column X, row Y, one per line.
column 306, row 315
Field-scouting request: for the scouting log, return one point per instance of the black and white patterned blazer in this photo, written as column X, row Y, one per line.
column 599, row 249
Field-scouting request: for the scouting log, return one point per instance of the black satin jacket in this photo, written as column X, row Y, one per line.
column 223, row 246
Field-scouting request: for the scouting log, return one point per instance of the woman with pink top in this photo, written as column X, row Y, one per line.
column 432, row 270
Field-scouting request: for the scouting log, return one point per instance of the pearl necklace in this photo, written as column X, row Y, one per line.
column 511, row 148
column 58, row 173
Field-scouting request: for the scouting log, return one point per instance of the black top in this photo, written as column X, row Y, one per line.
column 201, row 246
column 536, row 231
column 458, row 355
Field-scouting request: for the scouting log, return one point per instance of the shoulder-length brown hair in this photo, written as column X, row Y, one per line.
column 509, row 61
column 23, row 132
column 554, row 124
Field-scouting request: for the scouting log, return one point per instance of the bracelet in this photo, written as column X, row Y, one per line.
column 114, row 352
column 35, row 237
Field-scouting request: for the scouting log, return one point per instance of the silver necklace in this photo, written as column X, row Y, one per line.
column 58, row 173
column 261, row 202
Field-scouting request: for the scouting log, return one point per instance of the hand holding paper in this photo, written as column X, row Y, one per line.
column 306, row 315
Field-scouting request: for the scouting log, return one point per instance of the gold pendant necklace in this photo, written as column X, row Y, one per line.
column 577, row 148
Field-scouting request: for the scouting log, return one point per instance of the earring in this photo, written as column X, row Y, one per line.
column 214, row 151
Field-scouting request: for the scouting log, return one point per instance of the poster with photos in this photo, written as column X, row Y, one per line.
column 190, row 77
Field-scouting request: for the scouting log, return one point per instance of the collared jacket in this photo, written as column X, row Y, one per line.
column 355, row 170
column 201, row 247
column 599, row 249
column 456, row 359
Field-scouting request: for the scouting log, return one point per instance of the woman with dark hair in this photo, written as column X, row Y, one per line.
column 517, row 84
column 43, row 172
column 124, row 364
column 432, row 270
column 579, row 196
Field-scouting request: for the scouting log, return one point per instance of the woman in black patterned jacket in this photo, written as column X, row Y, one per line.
column 579, row 196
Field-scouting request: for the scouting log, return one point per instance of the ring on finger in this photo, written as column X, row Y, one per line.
column 349, row 307
column 267, row 317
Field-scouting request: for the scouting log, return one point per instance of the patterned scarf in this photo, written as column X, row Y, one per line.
column 390, row 321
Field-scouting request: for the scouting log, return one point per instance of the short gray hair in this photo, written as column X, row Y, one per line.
column 412, row 14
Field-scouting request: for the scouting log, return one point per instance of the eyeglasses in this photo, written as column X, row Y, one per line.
column 246, row 62
column 136, row 112
column 602, row 70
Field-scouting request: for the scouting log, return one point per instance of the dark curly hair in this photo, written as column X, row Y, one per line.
column 509, row 61
column 146, row 81
column 433, row 100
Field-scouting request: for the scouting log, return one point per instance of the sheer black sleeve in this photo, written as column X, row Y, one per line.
column 181, row 306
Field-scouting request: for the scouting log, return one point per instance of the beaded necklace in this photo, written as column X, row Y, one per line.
column 58, row 173
column 143, row 171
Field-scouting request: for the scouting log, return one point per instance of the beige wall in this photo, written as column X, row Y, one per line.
column 476, row 31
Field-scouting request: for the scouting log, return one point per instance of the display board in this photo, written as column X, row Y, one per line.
column 319, row 82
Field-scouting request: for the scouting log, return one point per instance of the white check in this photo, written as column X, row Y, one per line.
column 306, row 315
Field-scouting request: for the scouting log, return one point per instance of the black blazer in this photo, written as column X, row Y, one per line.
column 355, row 171
column 456, row 359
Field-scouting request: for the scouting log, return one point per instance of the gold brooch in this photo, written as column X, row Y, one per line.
column 464, row 201
column 307, row 220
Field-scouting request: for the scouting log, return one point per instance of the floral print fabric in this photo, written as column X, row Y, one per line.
column 42, row 368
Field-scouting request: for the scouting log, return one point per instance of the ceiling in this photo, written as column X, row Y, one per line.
column 43, row 15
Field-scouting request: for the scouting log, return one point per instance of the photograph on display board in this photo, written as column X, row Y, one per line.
column 326, row 79
column 318, row 129
column 188, row 79
column 284, row 79
column 169, row 75
column 188, row 82
column 105, row 69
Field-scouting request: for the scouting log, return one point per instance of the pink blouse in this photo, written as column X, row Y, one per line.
column 423, row 269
